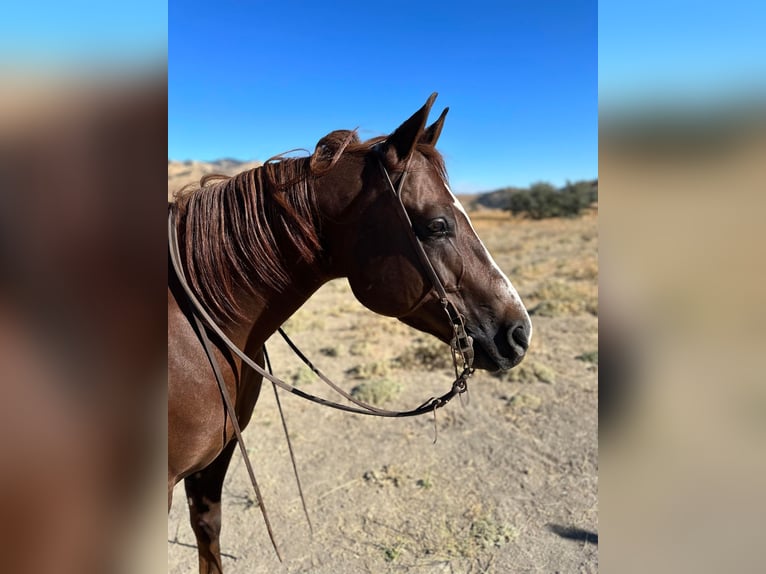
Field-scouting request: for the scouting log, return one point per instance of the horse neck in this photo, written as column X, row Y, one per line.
column 336, row 194
column 265, row 313
column 341, row 196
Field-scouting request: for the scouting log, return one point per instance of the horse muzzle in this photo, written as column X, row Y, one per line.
column 502, row 350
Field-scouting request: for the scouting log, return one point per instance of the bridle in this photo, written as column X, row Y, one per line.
column 461, row 344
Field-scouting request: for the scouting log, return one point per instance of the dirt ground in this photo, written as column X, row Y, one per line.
column 510, row 484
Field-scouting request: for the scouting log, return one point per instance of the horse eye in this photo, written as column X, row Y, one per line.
column 437, row 226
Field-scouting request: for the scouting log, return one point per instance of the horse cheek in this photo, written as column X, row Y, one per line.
column 388, row 286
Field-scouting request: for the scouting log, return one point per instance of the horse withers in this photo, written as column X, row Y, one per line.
column 255, row 246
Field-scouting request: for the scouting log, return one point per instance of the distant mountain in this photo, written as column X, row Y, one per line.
column 181, row 173
column 498, row 199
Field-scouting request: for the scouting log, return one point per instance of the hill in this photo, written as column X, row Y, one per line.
column 501, row 198
column 181, row 173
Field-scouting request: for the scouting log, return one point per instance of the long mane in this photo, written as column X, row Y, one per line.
column 234, row 231
column 230, row 228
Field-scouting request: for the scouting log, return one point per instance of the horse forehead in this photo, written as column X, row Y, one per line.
column 429, row 187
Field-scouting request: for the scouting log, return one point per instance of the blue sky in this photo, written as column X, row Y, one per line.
column 252, row 79
column 684, row 53
column 52, row 33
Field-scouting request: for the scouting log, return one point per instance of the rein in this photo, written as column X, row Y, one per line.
column 461, row 346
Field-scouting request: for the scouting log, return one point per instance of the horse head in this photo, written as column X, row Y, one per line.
column 404, row 200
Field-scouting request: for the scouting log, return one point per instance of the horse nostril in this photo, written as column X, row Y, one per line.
column 520, row 337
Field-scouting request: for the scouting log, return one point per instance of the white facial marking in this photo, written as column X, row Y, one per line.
column 507, row 282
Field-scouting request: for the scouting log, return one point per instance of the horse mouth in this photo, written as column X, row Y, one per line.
column 492, row 356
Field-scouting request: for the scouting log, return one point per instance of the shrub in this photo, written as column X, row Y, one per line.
column 543, row 200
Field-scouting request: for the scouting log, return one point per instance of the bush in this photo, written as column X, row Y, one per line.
column 497, row 199
column 543, row 200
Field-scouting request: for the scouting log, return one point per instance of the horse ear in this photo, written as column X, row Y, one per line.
column 432, row 133
column 404, row 138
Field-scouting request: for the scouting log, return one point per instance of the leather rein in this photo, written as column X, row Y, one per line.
column 461, row 346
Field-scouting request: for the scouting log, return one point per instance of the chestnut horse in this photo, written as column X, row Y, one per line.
column 255, row 247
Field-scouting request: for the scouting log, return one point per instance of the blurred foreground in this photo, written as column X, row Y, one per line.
column 82, row 325
column 683, row 328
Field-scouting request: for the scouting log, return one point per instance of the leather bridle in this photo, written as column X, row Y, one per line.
column 461, row 344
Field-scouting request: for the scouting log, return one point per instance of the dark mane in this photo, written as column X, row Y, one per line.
column 235, row 230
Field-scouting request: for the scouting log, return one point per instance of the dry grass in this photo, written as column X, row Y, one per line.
column 430, row 353
column 555, row 297
column 376, row 392
column 530, row 371
column 553, row 263
column 465, row 538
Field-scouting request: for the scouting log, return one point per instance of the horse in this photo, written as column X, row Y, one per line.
column 257, row 245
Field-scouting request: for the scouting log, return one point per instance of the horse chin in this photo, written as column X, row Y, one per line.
column 489, row 355
column 491, row 360
column 483, row 361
